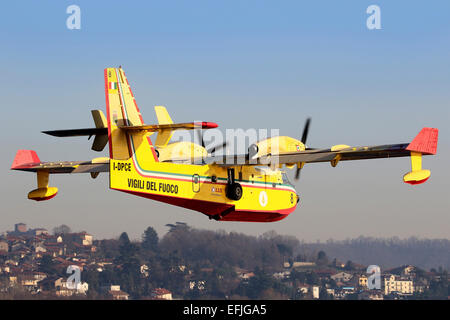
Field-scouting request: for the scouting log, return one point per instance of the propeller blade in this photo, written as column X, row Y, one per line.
column 297, row 173
column 305, row 131
column 219, row 147
column 200, row 138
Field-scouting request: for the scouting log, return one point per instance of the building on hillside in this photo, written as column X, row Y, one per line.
column 82, row 238
column 114, row 292
column 371, row 295
column 38, row 231
column 409, row 271
column 20, row 228
column 4, row 246
column 281, row 275
column 343, row 292
column 396, row 285
column 243, row 274
column 308, row 291
column 303, row 288
column 63, row 290
column 28, row 281
column 342, row 277
column 197, row 284
column 161, row 294
column 315, row 292
column 40, row 248
column 21, row 231
column 144, row 270
column 331, row 291
column 303, row 264
column 362, row 281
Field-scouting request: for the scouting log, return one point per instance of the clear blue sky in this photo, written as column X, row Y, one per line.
column 242, row 64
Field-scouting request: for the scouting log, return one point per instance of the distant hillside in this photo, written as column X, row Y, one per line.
column 387, row 253
column 270, row 249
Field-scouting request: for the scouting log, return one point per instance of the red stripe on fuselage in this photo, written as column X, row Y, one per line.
column 208, row 182
column 142, row 120
column 108, row 115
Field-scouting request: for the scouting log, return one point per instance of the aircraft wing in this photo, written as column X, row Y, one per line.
column 316, row 155
column 27, row 160
column 425, row 143
column 350, row 153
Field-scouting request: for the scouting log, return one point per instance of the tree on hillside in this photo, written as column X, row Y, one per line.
column 124, row 239
column 350, row 266
column 129, row 276
column 62, row 229
column 150, row 239
column 257, row 284
column 322, row 259
column 127, row 249
column 47, row 265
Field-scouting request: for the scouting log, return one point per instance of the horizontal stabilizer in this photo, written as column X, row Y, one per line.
column 100, row 131
column 77, row 132
column 171, row 126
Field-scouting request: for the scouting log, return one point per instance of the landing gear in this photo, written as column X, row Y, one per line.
column 233, row 189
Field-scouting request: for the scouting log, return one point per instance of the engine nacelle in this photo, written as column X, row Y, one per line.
column 181, row 151
column 275, row 145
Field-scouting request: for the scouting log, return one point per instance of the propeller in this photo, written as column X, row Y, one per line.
column 303, row 140
column 214, row 148
column 305, row 131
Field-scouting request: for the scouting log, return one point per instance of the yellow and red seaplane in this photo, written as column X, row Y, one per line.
column 247, row 187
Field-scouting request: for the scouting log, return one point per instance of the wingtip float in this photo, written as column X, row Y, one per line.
column 425, row 143
column 254, row 189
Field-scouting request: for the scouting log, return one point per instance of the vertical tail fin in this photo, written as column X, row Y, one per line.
column 164, row 136
column 122, row 110
column 100, row 140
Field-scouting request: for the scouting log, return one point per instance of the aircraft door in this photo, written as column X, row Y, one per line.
column 196, row 183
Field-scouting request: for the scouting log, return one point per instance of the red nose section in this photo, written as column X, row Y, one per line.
column 209, row 125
